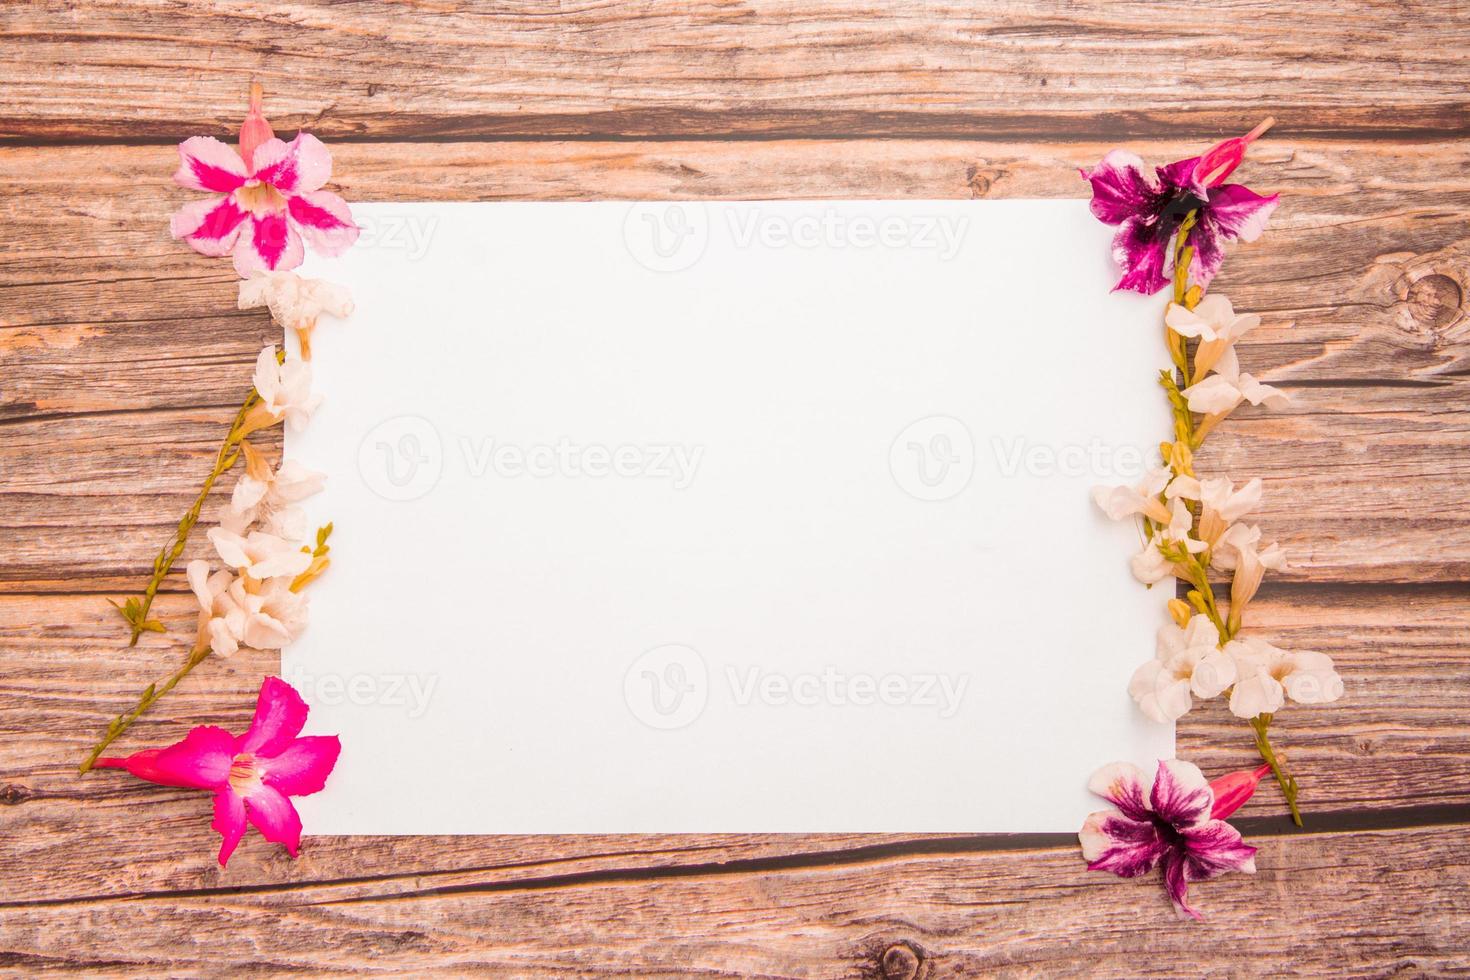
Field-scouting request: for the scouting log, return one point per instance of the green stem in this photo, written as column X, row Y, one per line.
column 1261, row 724
column 145, row 701
column 137, row 616
column 1184, row 430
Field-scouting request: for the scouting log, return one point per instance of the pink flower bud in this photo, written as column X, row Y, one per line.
column 254, row 130
column 1233, row 789
column 1223, row 158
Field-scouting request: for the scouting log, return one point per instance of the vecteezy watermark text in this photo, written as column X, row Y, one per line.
column 669, row 687
column 661, row 461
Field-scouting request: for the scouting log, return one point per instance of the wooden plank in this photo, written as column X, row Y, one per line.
column 1399, row 738
column 146, row 69
column 116, row 388
column 1398, row 902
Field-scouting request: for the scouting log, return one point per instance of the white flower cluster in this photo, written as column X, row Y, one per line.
column 262, row 538
column 1193, row 526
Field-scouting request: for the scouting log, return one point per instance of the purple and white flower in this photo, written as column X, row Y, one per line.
column 1167, row 824
column 1149, row 208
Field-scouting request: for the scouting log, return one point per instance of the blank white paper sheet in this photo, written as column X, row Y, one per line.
column 727, row 517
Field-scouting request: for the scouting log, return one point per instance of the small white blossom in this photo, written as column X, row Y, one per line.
column 1269, row 675
column 285, row 389
column 220, row 620
column 294, row 302
column 1125, row 501
column 1213, row 319
column 1189, row 664
column 261, row 494
column 1150, row 565
column 1228, row 387
column 260, row 555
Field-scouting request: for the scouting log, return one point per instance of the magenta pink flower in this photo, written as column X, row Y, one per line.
column 265, row 203
column 254, row 776
column 1150, row 208
column 1168, row 824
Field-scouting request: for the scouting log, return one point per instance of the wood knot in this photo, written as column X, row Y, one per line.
column 1434, row 300
column 979, row 182
column 901, row 961
column 12, row 794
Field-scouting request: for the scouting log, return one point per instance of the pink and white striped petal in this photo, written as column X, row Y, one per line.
column 325, row 221
column 211, row 226
column 206, row 164
column 293, row 168
column 267, row 244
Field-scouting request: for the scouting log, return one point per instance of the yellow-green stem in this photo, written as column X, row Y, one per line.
column 1198, row 571
column 145, row 701
column 1261, row 724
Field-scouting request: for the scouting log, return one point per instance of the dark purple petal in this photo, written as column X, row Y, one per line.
column 1176, row 883
column 1215, row 847
column 1238, row 212
column 1208, row 255
column 1182, row 176
column 1121, row 189
column 1181, row 795
column 1133, row 848
column 1141, row 251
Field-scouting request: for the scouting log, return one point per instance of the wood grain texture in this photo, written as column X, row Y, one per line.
column 129, row 70
column 1398, row 899
column 1399, row 739
column 121, row 358
column 1362, row 282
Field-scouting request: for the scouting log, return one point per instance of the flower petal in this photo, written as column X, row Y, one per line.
column 279, row 715
column 325, row 221
column 1112, row 842
column 1213, row 674
column 1181, row 793
column 1122, row 784
column 210, row 226
column 1182, row 175
column 292, row 168
column 1238, row 212
column 1209, row 255
column 229, row 821
column 1215, row 847
column 303, row 766
column 262, row 632
column 1256, row 694
column 201, row 760
column 1141, row 254
column 274, row 816
column 1121, row 188
column 206, row 164
column 1176, row 883
column 267, row 242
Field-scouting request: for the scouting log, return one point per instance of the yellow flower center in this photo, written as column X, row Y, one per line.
column 243, row 777
column 260, row 199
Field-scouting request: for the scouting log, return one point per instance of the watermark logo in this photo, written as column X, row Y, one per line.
column 933, row 458
column 667, row 687
column 402, row 458
column 666, row 237
column 410, row 234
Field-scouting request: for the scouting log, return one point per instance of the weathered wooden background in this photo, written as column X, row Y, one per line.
column 121, row 358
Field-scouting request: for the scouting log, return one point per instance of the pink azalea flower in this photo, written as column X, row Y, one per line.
column 1150, row 208
column 254, row 776
column 264, row 204
column 1168, row 824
